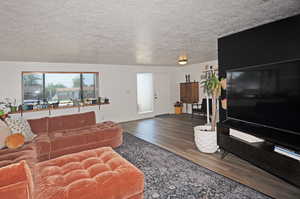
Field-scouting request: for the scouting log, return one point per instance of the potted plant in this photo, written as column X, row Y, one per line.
column 178, row 107
column 4, row 108
column 13, row 105
column 206, row 135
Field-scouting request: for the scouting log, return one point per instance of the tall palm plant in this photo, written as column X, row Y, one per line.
column 212, row 87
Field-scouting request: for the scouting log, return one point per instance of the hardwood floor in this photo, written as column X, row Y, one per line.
column 175, row 133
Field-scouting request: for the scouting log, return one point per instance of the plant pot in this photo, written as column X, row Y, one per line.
column 205, row 139
column 13, row 109
column 178, row 110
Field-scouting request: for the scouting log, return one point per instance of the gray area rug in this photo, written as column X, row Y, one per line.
column 169, row 176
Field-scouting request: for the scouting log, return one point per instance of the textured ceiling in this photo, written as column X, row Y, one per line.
column 127, row 32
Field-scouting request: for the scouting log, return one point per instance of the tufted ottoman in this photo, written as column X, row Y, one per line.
column 94, row 174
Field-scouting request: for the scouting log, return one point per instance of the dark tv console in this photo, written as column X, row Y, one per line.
column 269, row 43
column 276, row 137
column 261, row 154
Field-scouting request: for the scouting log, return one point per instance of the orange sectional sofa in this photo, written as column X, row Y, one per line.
column 81, row 174
column 62, row 135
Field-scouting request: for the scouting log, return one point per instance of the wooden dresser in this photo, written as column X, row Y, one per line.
column 189, row 92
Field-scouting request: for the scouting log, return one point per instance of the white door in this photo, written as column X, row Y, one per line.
column 145, row 93
column 162, row 93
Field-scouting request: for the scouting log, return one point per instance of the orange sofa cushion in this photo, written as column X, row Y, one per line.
column 15, row 141
column 71, row 121
column 98, row 173
column 16, row 181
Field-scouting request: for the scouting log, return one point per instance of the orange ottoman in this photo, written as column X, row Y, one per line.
column 94, row 174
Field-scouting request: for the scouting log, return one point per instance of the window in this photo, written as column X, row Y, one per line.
column 59, row 87
column 145, row 92
column 88, row 85
column 32, row 86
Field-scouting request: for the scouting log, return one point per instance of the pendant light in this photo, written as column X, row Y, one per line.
column 182, row 60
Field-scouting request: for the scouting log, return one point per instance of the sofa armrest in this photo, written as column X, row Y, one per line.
column 18, row 190
column 43, row 146
column 16, row 181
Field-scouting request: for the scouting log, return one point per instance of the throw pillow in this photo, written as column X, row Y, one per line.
column 20, row 125
column 4, row 133
column 15, row 141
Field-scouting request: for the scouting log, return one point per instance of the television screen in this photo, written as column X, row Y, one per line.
column 266, row 95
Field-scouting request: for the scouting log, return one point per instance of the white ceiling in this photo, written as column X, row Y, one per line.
column 150, row 32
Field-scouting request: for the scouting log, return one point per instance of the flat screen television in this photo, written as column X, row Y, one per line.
column 266, row 95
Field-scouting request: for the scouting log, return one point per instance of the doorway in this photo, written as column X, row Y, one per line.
column 145, row 93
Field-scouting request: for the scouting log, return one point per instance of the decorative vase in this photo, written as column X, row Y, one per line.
column 224, row 83
column 205, row 139
column 224, row 103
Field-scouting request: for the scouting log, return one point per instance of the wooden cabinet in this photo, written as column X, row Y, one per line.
column 189, row 92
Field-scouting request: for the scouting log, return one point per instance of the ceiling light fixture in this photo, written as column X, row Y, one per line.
column 182, row 60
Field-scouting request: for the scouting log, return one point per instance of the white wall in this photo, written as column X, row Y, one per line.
column 195, row 70
column 117, row 82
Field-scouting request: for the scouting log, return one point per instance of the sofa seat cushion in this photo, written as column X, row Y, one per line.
column 98, row 173
column 83, row 136
column 11, row 156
